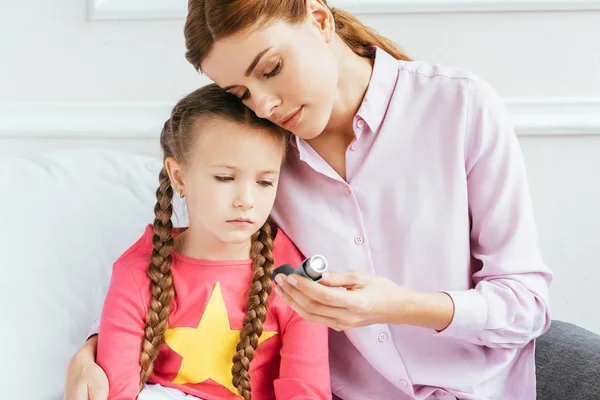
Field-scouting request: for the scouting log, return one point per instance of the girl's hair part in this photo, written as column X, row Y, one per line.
column 210, row 20
column 177, row 140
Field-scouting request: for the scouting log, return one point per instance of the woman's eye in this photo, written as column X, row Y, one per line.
column 245, row 96
column 275, row 70
column 224, row 178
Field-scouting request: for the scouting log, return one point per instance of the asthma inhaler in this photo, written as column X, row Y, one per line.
column 311, row 268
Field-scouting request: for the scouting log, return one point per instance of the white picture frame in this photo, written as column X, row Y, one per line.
column 176, row 9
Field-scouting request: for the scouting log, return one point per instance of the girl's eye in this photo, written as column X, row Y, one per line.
column 245, row 96
column 275, row 70
column 265, row 183
column 224, row 178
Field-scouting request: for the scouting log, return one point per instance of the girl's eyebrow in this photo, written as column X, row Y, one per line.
column 223, row 166
column 265, row 171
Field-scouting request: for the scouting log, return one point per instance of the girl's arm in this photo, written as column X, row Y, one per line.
column 304, row 369
column 120, row 335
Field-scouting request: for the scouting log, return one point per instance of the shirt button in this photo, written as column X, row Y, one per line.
column 403, row 383
column 359, row 240
column 354, row 147
column 347, row 190
column 382, row 337
column 360, row 123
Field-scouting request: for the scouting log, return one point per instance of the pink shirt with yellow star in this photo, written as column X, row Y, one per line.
column 291, row 361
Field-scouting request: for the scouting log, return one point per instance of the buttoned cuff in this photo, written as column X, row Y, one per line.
column 94, row 328
column 470, row 315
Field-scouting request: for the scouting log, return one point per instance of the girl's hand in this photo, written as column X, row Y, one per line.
column 344, row 300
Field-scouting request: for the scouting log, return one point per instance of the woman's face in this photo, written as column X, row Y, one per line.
column 285, row 73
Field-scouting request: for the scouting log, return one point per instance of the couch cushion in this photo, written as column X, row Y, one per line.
column 66, row 217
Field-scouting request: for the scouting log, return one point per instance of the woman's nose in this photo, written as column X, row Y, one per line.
column 266, row 106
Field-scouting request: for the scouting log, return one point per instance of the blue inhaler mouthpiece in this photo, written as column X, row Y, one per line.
column 311, row 268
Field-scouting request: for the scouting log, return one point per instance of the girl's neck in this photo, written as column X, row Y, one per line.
column 201, row 245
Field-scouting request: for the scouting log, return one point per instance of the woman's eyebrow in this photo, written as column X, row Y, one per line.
column 255, row 61
column 253, row 65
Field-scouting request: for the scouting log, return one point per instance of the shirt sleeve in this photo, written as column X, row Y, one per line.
column 120, row 334
column 508, row 307
column 304, row 369
column 96, row 322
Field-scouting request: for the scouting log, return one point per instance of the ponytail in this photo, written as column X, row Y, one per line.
column 362, row 39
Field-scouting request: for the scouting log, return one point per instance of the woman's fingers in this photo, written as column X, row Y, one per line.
column 292, row 294
column 307, row 292
column 98, row 392
column 79, row 393
column 332, row 304
column 343, row 279
column 335, row 318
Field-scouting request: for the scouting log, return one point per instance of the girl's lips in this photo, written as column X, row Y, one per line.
column 243, row 222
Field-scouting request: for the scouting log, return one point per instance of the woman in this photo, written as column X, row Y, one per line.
column 408, row 177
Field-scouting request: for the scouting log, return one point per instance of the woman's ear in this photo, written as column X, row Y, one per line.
column 175, row 171
column 321, row 16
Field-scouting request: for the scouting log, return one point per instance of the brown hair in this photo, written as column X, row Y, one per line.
column 211, row 20
column 177, row 140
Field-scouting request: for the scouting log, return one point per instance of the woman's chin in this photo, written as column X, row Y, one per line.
column 308, row 132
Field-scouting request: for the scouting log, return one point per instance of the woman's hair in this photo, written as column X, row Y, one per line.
column 178, row 140
column 211, row 20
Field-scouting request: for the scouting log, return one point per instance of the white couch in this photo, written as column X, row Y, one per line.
column 65, row 218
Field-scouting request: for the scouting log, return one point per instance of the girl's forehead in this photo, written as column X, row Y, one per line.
column 225, row 137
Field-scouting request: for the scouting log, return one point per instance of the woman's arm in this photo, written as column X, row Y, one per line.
column 508, row 307
column 85, row 379
column 344, row 300
column 304, row 369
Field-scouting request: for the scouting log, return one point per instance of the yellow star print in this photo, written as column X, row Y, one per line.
column 208, row 350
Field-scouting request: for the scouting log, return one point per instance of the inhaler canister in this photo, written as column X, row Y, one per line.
column 311, row 268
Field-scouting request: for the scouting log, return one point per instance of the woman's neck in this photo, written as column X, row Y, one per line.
column 199, row 244
column 354, row 77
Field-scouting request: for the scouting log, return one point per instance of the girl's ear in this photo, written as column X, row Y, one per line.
column 175, row 171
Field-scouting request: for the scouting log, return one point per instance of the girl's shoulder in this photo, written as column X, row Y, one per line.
column 285, row 251
column 137, row 256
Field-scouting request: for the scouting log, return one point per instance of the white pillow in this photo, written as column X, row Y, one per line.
column 66, row 217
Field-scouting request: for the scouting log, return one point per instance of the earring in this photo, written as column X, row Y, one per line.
column 181, row 194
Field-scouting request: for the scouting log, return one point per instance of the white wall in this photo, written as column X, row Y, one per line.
column 55, row 61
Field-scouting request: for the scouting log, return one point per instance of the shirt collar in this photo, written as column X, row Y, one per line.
column 380, row 90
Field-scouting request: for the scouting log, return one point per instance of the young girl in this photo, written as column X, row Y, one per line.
column 196, row 300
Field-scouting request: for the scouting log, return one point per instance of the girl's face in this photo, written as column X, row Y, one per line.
column 284, row 73
column 231, row 181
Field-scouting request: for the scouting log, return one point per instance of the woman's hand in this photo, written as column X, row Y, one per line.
column 85, row 379
column 344, row 300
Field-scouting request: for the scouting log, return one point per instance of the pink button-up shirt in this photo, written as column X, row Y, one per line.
column 435, row 199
